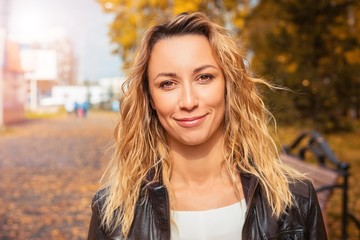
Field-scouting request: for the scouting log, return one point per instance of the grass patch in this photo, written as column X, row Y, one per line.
column 44, row 114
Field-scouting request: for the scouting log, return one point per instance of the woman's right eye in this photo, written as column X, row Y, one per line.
column 166, row 85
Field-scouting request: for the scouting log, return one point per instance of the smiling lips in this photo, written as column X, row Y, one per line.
column 190, row 122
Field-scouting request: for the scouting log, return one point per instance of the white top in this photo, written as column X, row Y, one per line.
column 224, row 223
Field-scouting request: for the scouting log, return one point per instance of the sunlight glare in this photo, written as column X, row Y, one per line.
column 29, row 26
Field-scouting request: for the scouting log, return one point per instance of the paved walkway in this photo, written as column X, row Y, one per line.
column 49, row 171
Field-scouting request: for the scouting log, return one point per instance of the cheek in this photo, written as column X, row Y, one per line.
column 163, row 104
column 154, row 99
column 214, row 96
column 218, row 102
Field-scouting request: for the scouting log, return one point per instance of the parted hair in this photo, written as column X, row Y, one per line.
column 141, row 142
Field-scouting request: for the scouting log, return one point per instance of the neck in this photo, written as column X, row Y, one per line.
column 199, row 164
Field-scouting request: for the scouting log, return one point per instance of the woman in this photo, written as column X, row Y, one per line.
column 194, row 158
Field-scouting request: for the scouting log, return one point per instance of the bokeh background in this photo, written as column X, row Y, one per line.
column 63, row 63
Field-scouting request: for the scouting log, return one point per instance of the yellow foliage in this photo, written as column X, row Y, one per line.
column 282, row 58
column 239, row 23
column 278, row 27
column 238, row 18
column 292, row 67
column 340, row 33
column 131, row 20
column 290, row 29
column 353, row 57
column 127, row 36
column 186, row 6
column 229, row 4
column 326, row 61
column 158, row 3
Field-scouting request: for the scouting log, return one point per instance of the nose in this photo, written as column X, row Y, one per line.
column 189, row 98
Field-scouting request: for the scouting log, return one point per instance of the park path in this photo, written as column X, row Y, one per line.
column 49, row 171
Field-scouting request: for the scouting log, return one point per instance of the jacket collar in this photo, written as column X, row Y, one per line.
column 249, row 183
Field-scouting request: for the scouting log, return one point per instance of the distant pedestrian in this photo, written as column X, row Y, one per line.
column 85, row 107
column 79, row 109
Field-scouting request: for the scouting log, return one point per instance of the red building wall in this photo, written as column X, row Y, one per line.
column 14, row 85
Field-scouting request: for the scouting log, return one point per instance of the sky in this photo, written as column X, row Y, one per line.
column 81, row 20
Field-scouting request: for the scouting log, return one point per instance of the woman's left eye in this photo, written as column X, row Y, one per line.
column 205, row 78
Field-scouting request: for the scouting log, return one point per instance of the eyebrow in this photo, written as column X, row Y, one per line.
column 199, row 69
column 196, row 70
column 165, row 75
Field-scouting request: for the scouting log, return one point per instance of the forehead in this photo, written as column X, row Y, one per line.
column 178, row 52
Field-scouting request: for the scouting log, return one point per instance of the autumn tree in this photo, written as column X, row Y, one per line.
column 132, row 17
column 313, row 49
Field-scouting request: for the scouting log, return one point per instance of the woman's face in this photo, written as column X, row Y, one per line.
column 187, row 89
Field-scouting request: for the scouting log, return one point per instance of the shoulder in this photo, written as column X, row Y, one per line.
column 98, row 200
column 304, row 197
column 307, row 206
column 97, row 230
column 97, row 205
column 302, row 188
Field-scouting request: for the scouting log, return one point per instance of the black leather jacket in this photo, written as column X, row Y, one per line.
column 152, row 215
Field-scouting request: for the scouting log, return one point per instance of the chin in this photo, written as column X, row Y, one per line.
column 192, row 141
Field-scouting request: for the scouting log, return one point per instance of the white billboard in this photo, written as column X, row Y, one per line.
column 39, row 64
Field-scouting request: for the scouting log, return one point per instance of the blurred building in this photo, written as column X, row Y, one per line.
column 46, row 65
column 4, row 14
column 66, row 61
column 29, row 71
column 94, row 95
column 40, row 66
column 14, row 85
column 12, row 82
column 100, row 94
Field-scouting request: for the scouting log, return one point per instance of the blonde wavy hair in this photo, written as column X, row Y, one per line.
column 141, row 141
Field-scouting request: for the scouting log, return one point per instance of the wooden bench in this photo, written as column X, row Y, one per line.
column 320, row 177
column 310, row 154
